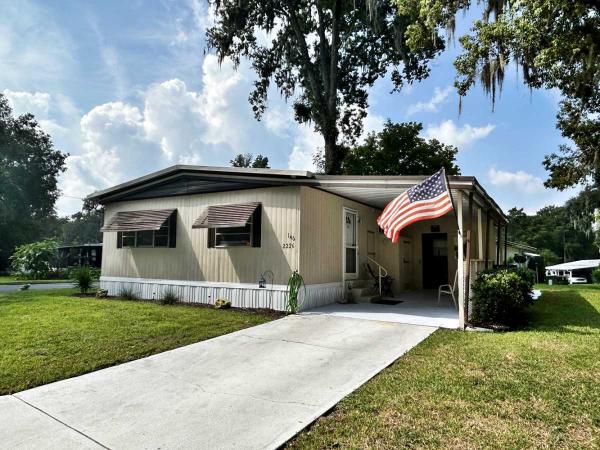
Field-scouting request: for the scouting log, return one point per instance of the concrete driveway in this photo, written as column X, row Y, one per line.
column 255, row 388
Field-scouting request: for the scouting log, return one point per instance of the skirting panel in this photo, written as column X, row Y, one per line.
column 241, row 295
column 321, row 294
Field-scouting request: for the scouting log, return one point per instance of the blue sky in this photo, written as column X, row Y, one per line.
column 126, row 88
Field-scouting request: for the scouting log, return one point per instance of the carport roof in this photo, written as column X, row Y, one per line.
column 574, row 265
column 375, row 191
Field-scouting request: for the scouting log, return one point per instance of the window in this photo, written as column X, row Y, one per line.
column 246, row 236
column 161, row 238
column 234, row 237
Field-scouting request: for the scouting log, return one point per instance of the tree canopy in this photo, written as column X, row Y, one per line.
column 248, row 160
column 83, row 227
column 399, row 150
column 324, row 55
column 555, row 230
column 29, row 170
column 555, row 42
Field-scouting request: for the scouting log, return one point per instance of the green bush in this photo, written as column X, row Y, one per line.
column 169, row 298
column 501, row 297
column 596, row 275
column 36, row 260
column 83, row 278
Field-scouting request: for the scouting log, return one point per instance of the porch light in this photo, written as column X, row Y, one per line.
column 262, row 281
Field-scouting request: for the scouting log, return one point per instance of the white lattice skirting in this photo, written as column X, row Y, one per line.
column 241, row 295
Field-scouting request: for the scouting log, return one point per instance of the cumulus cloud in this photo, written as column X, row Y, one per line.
column 439, row 97
column 174, row 124
column 519, row 180
column 449, row 133
column 306, row 144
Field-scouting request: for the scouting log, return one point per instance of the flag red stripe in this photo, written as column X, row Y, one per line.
column 416, row 219
column 391, row 208
column 402, row 211
column 430, row 214
column 416, row 207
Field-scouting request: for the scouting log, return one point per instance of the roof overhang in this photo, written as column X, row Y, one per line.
column 374, row 191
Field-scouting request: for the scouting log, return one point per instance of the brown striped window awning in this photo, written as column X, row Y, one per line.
column 226, row 216
column 148, row 219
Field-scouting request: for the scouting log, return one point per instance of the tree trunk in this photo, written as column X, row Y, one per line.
column 333, row 152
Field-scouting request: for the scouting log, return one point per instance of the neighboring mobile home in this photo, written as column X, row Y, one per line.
column 213, row 232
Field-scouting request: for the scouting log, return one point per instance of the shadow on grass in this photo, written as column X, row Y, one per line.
column 566, row 310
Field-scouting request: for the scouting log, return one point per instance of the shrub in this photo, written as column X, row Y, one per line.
column 83, row 278
column 501, row 297
column 169, row 298
column 295, row 283
column 35, row 260
column 127, row 293
column 596, row 275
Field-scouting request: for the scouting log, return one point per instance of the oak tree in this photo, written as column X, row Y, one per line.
column 323, row 55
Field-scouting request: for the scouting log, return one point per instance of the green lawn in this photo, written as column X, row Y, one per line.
column 50, row 335
column 12, row 279
column 535, row 388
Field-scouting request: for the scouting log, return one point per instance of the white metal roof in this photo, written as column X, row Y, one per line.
column 375, row 190
column 573, row 265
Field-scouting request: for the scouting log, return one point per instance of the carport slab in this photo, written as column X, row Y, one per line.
column 255, row 388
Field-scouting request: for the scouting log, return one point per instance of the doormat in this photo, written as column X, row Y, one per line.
column 381, row 301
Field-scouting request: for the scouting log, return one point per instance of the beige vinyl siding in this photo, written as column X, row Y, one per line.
column 321, row 235
column 192, row 260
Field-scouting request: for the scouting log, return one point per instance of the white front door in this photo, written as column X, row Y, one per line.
column 350, row 244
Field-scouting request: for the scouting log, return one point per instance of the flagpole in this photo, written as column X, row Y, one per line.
column 451, row 199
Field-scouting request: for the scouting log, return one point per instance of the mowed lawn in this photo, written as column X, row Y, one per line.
column 535, row 388
column 50, row 335
column 13, row 279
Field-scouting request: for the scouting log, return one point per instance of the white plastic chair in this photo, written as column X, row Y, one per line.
column 449, row 289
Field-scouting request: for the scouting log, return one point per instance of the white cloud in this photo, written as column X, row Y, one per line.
column 439, row 97
column 35, row 51
column 519, row 181
column 173, row 118
column 461, row 137
column 306, row 144
column 372, row 123
column 36, row 103
column 522, row 189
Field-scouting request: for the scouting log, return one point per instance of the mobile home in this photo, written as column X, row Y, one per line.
column 238, row 234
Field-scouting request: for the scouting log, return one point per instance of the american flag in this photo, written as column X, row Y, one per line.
column 427, row 200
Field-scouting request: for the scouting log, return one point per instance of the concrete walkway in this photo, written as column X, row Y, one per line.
column 254, row 388
column 415, row 308
column 16, row 287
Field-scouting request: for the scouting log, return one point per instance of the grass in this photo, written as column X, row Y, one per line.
column 50, row 335
column 12, row 279
column 534, row 388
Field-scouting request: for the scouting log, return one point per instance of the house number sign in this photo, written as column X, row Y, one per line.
column 291, row 241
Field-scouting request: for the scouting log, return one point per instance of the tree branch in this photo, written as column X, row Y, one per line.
column 324, row 50
column 307, row 66
column 333, row 59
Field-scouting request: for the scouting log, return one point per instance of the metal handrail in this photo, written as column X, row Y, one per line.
column 381, row 273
